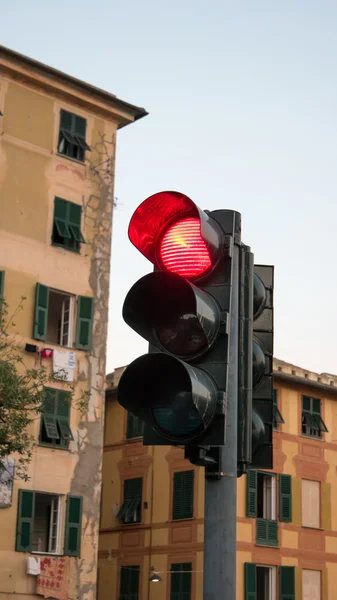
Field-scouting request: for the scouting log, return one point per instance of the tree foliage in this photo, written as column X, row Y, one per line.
column 21, row 394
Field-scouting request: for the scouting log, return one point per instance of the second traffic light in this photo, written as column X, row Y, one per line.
column 182, row 309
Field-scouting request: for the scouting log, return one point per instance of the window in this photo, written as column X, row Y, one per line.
column 130, row 511
column 311, row 584
column 181, row 581
column 39, row 523
column 134, row 427
column 183, row 492
column 261, row 582
column 312, row 422
column 129, row 583
column 72, row 136
column 54, row 318
column 311, row 504
column 55, row 418
column 262, row 504
column 2, row 289
column 277, row 417
column 67, row 225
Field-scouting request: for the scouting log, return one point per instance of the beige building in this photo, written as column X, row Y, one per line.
column 152, row 514
column 57, row 157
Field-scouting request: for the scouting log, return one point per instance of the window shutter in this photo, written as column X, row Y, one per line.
column 25, row 521
column 181, row 580
column 2, row 286
column 61, row 217
column 129, row 583
column 63, row 414
column 133, row 489
column 261, row 531
column 41, row 312
column 49, row 412
column 134, row 427
column 66, row 120
column 72, row 544
column 183, row 495
column 80, row 126
column 285, row 498
column 85, row 309
column 287, row 583
column 250, row 581
column 75, row 214
column 251, row 493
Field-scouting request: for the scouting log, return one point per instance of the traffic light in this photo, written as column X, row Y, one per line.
column 182, row 309
column 255, row 363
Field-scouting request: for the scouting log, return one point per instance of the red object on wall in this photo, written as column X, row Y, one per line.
column 47, row 353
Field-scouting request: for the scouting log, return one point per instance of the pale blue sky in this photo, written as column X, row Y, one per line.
column 242, row 99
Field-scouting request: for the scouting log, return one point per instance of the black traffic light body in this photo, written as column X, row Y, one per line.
column 255, row 364
column 182, row 309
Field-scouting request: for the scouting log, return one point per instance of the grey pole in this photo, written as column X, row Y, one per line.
column 220, row 494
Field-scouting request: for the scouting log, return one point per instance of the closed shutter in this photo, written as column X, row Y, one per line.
column 134, row 427
column 2, row 287
column 41, row 312
column 287, row 583
column 285, row 498
column 250, row 581
column 181, row 581
column 25, row 521
column 251, row 507
column 129, row 583
column 85, row 309
column 72, row 544
column 63, row 414
column 183, row 495
column 66, row 120
column 266, row 532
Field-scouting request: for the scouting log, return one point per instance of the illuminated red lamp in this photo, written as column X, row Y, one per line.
column 175, row 235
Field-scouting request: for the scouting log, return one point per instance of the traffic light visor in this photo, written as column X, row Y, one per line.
column 178, row 401
column 175, row 235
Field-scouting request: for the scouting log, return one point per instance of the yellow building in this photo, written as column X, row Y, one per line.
column 57, row 156
column 153, row 505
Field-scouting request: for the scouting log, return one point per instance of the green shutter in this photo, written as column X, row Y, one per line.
column 66, row 120
column 25, row 521
column 134, row 427
column 72, row 544
column 183, row 495
column 75, row 213
column 181, row 581
column 49, row 412
column 85, row 309
column 266, row 532
column 251, row 507
column 133, row 489
column 287, row 583
column 285, row 498
column 129, row 583
column 2, row 284
column 41, row 312
column 250, row 581
column 80, row 126
column 61, row 217
column 63, row 414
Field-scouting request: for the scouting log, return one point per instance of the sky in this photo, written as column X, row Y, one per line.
column 242, row 102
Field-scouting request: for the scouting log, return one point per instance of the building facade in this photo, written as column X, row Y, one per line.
column 57, row 156
column 153, row 505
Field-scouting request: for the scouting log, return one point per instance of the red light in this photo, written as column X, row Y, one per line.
column 183, row 251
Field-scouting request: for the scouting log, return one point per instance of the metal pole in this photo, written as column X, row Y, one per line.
column 220, row 494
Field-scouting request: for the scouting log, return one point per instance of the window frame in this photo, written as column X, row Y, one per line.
column 64, row 443
column 129, row 594
column 71, row 138
column 177, row 569
column 186, row 510
column 74, row 238
column 311, row 419
column 131, row 419
column 272, row 573
column 319, row 507
column 131, row 505
column 60, row 517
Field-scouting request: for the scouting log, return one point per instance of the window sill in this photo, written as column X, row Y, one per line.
column 135, row 439
column 75, row 160
column 183, row 519
column 47, row 553
column 312, row 528
column 52, row 447
column 312, row 437
column 73, row 250
column 265, row 545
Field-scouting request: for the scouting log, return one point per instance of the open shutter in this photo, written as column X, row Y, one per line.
column 285, row 498
column 63, row 414
column 72, row 544
column 25, row 521
column 85, row 310
column 251, row 494
column 49, row 413
column 250, row 581
column 134, row 427
column 75, row 214
column 61, row 217
column 41, row 312
column 287, row 583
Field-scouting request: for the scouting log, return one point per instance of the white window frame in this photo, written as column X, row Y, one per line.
column 271, row 580
column 71, row 310
column 272, row 491
column 59, row 524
